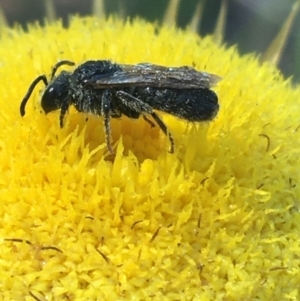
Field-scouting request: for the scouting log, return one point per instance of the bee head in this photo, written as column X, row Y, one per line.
column 56, row 93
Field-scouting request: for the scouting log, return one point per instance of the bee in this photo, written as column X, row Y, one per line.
column 111, row 90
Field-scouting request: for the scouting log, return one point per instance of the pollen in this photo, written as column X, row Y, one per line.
column 216, row 220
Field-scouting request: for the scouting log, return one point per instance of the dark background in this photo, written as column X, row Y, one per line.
column 251, row 24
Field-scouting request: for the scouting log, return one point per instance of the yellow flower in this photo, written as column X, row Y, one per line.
column 216, row 220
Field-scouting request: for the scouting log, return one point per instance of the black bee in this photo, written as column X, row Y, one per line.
column 113, row 90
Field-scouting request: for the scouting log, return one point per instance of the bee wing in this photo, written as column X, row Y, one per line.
column 150, row 75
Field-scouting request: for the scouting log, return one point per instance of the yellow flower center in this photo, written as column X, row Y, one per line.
column 216, row 219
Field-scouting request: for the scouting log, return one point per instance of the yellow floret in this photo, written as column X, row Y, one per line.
column 216, row 220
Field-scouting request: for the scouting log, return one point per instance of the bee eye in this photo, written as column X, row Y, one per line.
column 50, row 99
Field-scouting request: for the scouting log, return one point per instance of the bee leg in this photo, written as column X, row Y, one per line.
column 164, row 128
column 149, row 121
column 63, row 110
column 139, row 106
column 105, row 111
column 133, row 103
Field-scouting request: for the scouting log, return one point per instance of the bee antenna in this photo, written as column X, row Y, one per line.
column 31, row 88
column 61, row 63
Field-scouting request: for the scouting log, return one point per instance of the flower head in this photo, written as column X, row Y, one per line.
column 217, row 219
